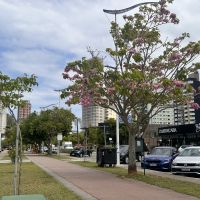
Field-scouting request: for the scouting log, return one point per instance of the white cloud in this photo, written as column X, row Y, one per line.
column 41, row 36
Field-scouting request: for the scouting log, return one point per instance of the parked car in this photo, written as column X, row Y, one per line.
column 187, row 162
column 160, row 158
column 54, row 149
column 79, row 152
column 43, row 149
column 124, row 153
column 182, row 147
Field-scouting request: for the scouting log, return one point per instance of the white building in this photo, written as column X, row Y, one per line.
column 166, row 116
column 93, row 115
column 3, row 122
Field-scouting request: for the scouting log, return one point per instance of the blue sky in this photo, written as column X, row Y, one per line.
column 40, row 36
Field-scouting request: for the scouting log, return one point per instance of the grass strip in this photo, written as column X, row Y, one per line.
column 33, row 181
column 183, row 187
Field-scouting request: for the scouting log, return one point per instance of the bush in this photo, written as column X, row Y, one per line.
column 12, row 154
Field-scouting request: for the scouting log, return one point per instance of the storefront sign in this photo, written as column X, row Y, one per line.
column 179, row 130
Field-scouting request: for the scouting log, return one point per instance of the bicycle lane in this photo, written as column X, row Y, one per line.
column 92, row 184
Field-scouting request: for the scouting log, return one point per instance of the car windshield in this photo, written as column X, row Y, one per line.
column 184, row 146
column 161, row 151
column 123, row 149
column 190, row 152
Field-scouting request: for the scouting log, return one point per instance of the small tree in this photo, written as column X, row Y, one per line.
column 11, row 93
column 150, row 72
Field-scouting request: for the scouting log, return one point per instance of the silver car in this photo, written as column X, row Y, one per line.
column 187, row 162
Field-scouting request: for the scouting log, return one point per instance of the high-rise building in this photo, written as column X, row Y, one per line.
column 185, row 114
column 25, row 110
column 93, row 115
column 166, row 116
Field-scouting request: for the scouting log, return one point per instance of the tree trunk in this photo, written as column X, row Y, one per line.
column 132, row 168
column 49, row 146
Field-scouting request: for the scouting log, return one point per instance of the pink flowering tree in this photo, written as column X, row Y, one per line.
column 149, row 71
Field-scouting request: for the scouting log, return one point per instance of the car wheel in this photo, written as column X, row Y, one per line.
column 126, row 160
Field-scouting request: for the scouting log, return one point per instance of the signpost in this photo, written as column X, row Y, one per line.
column 59, row 138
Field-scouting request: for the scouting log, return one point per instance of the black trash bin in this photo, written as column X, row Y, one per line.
column 106, row 156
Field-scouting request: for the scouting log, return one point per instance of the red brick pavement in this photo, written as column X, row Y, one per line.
column 102, row 185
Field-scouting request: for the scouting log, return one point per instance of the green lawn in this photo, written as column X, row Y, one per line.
column 176, row 185
column 33, row 181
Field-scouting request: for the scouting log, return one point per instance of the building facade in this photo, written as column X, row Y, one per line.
column 166, row 116
column 25, row 110
column 3, row 123
column 93, row 115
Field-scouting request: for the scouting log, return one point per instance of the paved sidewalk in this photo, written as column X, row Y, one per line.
column 92, row 184
column 3, row 153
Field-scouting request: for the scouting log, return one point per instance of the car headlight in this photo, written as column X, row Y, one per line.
column 197, row 164
column 166, row 160
column 174, row 163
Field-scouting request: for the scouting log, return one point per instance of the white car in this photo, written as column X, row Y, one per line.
column 183, row 147
column 187, row 162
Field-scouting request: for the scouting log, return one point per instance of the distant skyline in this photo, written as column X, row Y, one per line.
column 40, row 37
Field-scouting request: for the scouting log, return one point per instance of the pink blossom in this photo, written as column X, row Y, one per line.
column 85, row 100
column 132, row 50
column 195, row 106
column 139, row 40
column 175, row 56
column 65, row 76
column 162, row 2
column 156, row 86
column 164, row 11
column 178, row 83
column 173, row 16
column 111, row 90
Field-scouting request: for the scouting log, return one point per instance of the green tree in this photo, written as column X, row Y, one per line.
column 52, row 122
column 95, row 136
column 73, row 138
column 31, row 133
column 149, row 74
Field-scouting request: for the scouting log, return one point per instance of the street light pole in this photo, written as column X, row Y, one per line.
column 59, row 96
column 42, row 108
column 116, row 12
column 77, row 131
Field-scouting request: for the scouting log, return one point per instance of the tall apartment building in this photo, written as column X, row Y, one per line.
column 93, row 115
column 110, row 114
column 185, row 114
column 25, row 110
column 166, row 116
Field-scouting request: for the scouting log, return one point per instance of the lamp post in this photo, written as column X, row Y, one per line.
column 59, row 91
column 59, row 138
column 44, row 107
column 77, row 129
column 116, row 12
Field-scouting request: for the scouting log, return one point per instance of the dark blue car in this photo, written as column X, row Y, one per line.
column 160, row 158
